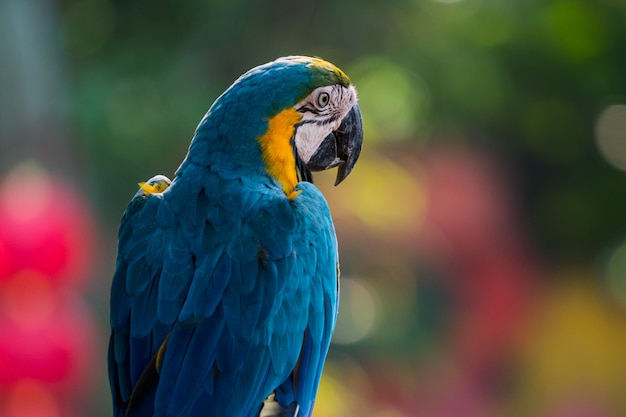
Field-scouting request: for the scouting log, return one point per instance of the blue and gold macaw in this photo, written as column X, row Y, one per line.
column 225, row 295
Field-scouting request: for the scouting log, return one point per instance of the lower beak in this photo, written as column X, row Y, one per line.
column 341, row 148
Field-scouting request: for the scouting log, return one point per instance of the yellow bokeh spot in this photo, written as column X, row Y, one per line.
column 576, row 343
column 331, row 398
column 384, row 195
column 342, row 388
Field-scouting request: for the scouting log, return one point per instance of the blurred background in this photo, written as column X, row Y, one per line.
column 482, row 234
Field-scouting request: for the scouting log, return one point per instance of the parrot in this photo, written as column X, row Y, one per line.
column 226, row 286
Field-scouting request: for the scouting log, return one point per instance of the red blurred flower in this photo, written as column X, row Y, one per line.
column 44, row 227
column 46, row 334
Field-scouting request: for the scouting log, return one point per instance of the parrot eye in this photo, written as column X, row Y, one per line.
column 323, row 99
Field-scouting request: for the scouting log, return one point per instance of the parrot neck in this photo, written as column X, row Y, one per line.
column 237, row 132
column 230, row 147
column 277, row 149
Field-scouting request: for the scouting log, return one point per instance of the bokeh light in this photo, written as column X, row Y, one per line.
column 43, row 227
column 394, row 101
column 572, row 355
column 610, row 135
column 399, row 183
column 358, row 312
column 574, row 29
column 48, row 341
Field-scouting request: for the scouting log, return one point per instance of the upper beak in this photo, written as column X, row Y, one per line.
column 341, row 147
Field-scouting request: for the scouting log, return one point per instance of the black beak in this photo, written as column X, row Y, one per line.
column 341, row 147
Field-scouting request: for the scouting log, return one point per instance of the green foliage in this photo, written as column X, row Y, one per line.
column 529, row 77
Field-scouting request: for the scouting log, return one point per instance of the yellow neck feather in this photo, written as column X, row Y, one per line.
column 277, row 149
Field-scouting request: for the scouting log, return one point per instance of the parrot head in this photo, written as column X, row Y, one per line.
column 303, row 113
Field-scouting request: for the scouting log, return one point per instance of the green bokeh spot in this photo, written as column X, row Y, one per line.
column 394, row 102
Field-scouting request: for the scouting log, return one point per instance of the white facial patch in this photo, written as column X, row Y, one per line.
column 309, row 137
column 319, row 121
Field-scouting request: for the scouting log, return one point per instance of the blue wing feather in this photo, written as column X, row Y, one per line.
column 241, row 282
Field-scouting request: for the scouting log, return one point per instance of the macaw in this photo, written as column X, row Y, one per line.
column 226, row 288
